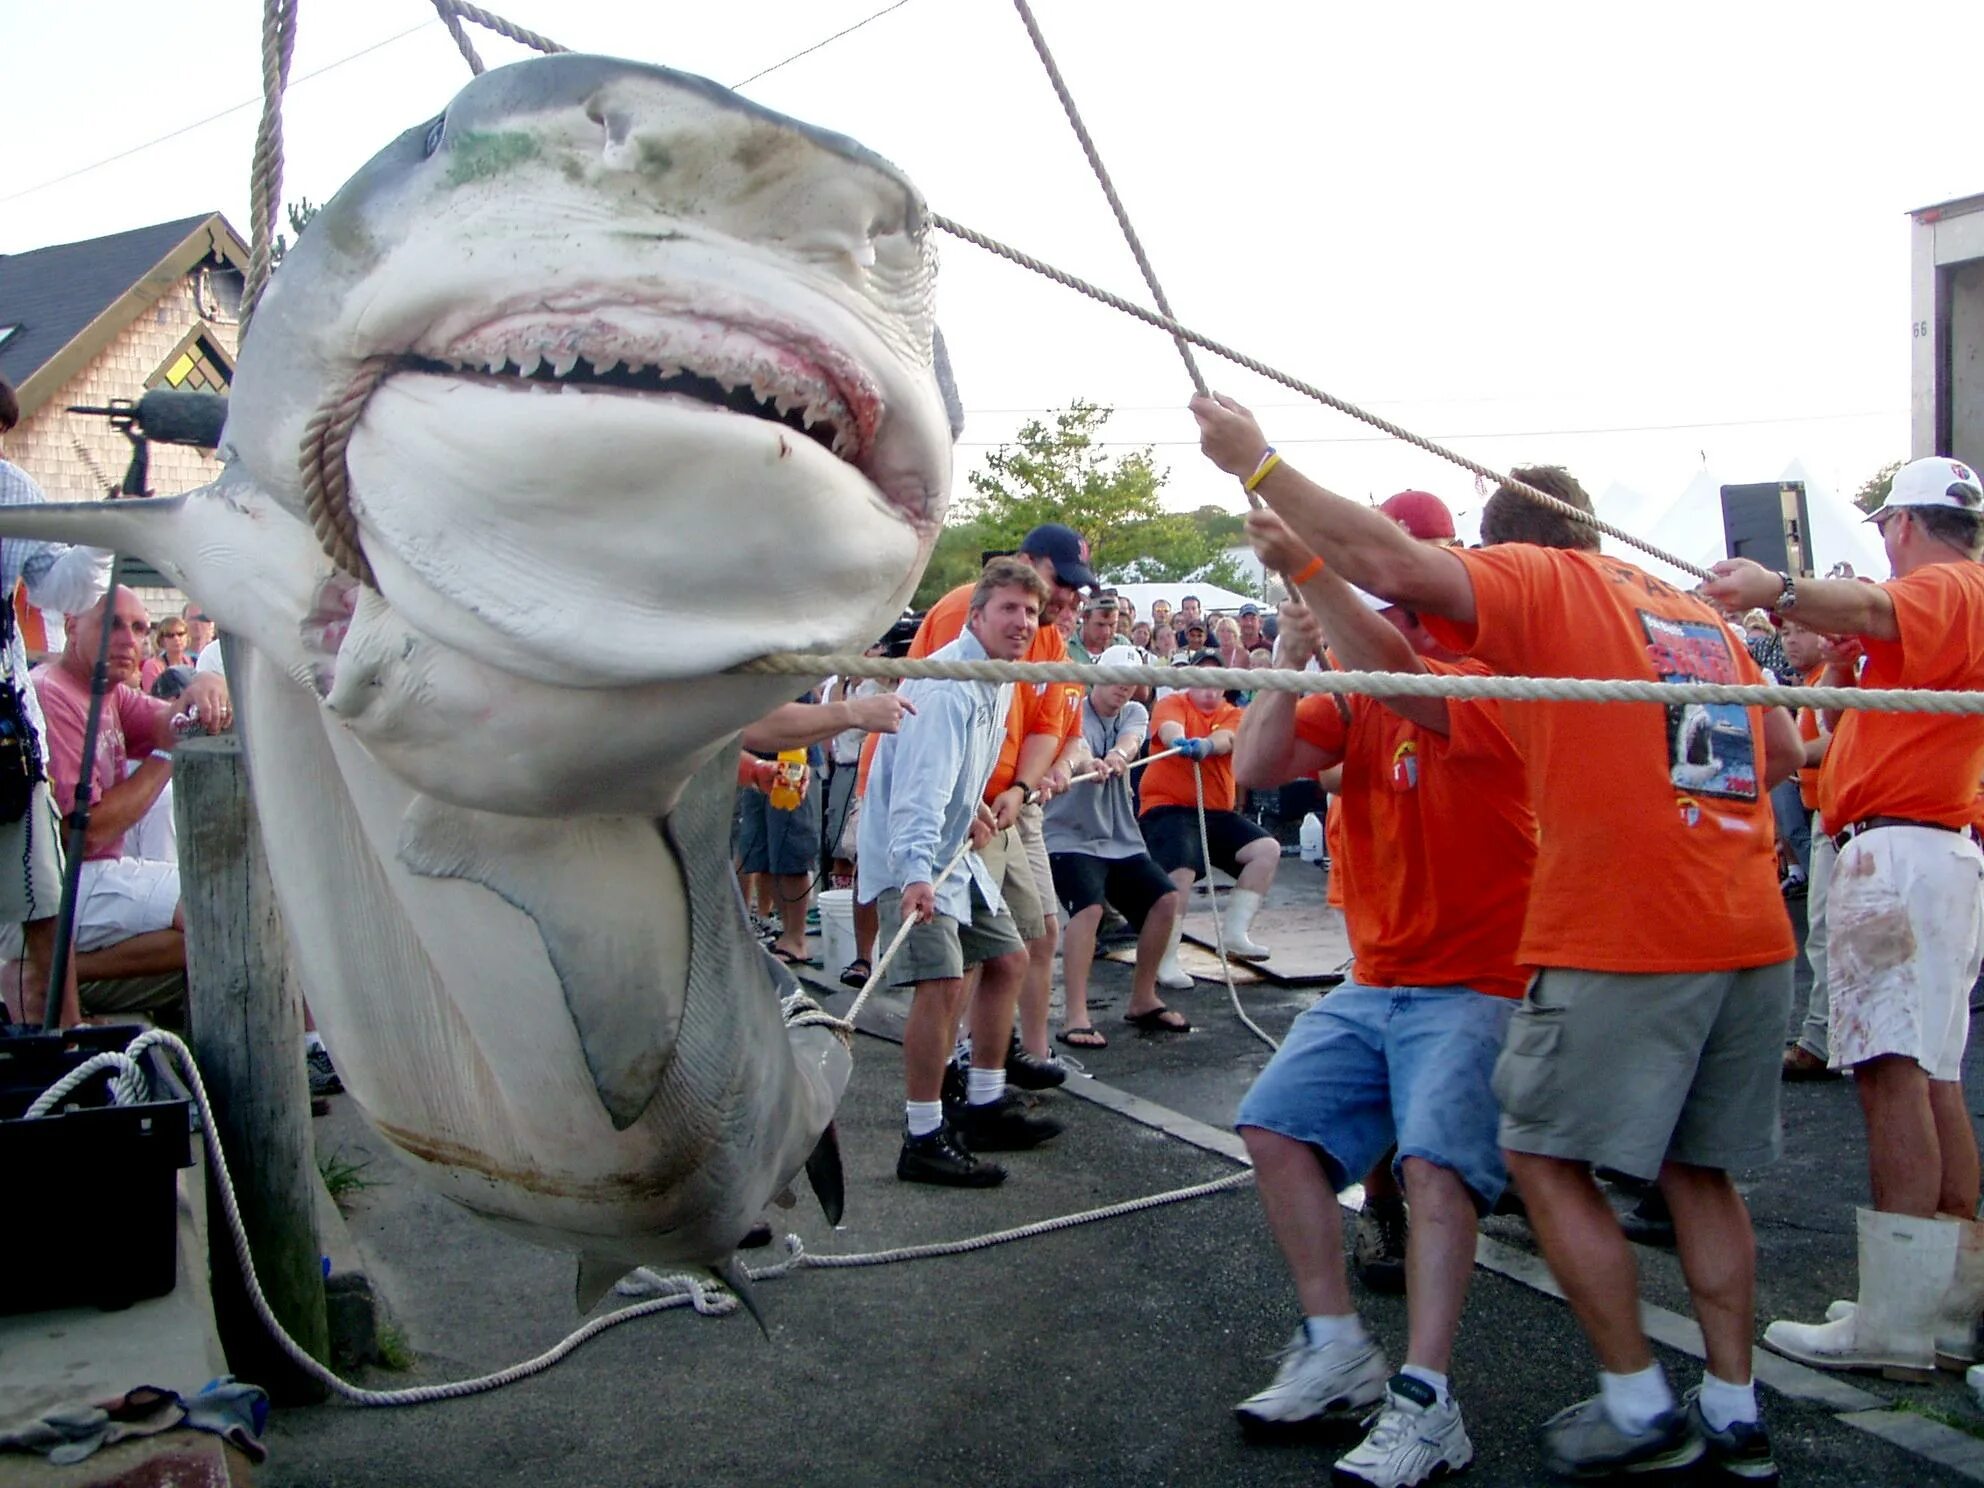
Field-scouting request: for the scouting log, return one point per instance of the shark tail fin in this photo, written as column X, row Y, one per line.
column 597, row 1274
column 733, row 1275
column 823, row 1171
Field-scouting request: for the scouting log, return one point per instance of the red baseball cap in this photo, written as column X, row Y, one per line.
column 1422, row 514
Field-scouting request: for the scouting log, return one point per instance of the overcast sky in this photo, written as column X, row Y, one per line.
column 1627, row 239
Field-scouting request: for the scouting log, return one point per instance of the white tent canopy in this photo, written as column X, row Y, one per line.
column 1211, row 597
column 1690, row 526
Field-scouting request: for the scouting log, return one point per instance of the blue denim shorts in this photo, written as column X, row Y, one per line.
column 1368, row 1067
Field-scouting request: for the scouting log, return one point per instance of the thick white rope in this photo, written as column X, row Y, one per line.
column 1218, row 925
column 1381, row 684
column 676, row 1291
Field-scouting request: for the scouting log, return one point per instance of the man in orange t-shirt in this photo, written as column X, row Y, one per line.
column 1043, row 740
column 1650, row 1040
column 1437, row 846
column 1200, row 724
column 1905, row 925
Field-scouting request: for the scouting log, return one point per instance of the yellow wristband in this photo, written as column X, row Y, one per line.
column 1308, row 571
column 1268, row 462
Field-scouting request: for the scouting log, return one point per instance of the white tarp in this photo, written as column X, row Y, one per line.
column 1211, row 596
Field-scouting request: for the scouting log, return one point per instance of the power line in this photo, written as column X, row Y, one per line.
column 807, row 52
column 254, row 102
column 1803, row 418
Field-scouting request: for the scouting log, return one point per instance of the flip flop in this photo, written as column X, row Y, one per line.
column 1159, row 1020
column 789, row 959
column 857, row 973
column 1082, row 1037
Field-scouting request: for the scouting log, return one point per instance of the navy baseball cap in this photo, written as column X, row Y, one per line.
column 1064, row 548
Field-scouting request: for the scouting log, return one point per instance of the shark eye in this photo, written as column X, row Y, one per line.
column 433, row 140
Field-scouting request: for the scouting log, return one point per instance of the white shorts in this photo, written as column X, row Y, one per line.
column 1905, row 932
column 123, row 897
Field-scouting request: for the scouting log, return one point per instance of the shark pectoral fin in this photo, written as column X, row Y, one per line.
column 147, row 528
column 733, row 1275
column 608, row 900
column 597, row 1274
column 823, row 1171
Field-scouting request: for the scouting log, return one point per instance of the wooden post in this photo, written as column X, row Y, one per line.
column 245, row 1026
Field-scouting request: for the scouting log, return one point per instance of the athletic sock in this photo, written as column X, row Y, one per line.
column 984, row 1086
column 312, row 1040
column 1432, row 1378
column 1636, row 1401
column 1724, row 1404
column 924, row 1117
column 1323, row 1330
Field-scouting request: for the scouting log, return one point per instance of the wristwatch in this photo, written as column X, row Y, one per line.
column 1789, row 598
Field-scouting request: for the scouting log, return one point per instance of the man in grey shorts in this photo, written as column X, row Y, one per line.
column 922, row 807
column 1649, row 1041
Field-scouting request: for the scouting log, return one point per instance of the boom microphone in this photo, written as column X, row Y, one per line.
column 169, row 416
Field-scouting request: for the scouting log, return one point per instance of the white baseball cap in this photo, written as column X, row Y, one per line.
column 1121, row 655
column 1934, row 481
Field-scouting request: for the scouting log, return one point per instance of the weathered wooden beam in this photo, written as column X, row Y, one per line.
column 245, row 1025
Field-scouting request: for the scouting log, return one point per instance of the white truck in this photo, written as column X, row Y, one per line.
column 1947, row 331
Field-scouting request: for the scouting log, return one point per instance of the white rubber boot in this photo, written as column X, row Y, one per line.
column 1170, row 975
column 1956, row 1323
column 1241, row 907
column 1906, row 1269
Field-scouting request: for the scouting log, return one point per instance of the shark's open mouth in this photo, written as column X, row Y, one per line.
column 728, row 366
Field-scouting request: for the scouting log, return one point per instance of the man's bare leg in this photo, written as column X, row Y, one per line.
column 1588, row 1255
column 151, row 954
column 793, row 894
column 1957, row 1139
column 1037, row 987
column 1151, row 941
column 927, row 1038
column 1904, row 1151
column 1439, row 1261
column 39, row 956
column 1304, row 1218
column 1258, row 862
column 1719, row 1258
column 867, row 925
column 992, row 1009
column 1077, row 958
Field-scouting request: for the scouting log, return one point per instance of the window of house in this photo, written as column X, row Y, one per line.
column 195, row 365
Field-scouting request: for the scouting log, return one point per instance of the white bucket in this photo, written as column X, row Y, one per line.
column 836, row 931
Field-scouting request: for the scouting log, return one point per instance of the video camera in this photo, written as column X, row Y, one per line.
column 898, row 637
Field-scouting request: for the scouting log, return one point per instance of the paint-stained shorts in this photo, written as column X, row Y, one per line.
column 1905, row 932
column 1033, row 836
column 1629, row 1070
column 941, row 949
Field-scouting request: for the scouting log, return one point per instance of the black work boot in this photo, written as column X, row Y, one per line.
column 1028, row 1071
column 1003, row 1125
column 939, row 1157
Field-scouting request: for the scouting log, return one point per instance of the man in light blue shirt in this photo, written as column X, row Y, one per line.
column 922, row 810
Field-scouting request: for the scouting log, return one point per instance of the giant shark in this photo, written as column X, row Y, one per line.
column 650, row 385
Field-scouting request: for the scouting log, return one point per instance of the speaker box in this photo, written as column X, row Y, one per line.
column 1769, row 524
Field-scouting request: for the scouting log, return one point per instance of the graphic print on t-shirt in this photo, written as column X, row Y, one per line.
column 1709, row 748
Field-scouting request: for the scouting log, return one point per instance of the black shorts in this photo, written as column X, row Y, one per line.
column 1129, row 885
column 1172, row 835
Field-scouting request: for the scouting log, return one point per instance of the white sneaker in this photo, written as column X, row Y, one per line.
column 1339, row 1381
column 1413, row 1440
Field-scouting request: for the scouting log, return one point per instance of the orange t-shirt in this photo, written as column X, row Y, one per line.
column 1332, row 837
column 1169, row 781
column 1655, row 840
column 1038, row 708
column 1808, row 730
column 1922, row 766
column 1438, row 842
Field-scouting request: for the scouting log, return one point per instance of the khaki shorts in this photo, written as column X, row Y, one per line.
column 940, row 950
column 31, row 883
column 1627, row 1071
column 1006, row 860
column 1033, row 833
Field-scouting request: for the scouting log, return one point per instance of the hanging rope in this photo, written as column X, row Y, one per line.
column 265, row 173
column 1380, row 684
column 451, row 18
column 490, row 21
column 1108, row 187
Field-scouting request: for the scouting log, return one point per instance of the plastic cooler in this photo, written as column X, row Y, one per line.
column 95, row 1214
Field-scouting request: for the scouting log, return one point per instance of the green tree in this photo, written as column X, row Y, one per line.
column 1056, row 472
column 1875, row 490
column 299, row 212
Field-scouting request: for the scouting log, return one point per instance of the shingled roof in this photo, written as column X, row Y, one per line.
column 66, row 302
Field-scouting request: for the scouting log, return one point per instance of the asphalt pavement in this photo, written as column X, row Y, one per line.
column 1108, row 1353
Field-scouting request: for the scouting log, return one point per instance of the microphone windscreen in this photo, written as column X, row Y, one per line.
column 170, row 416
